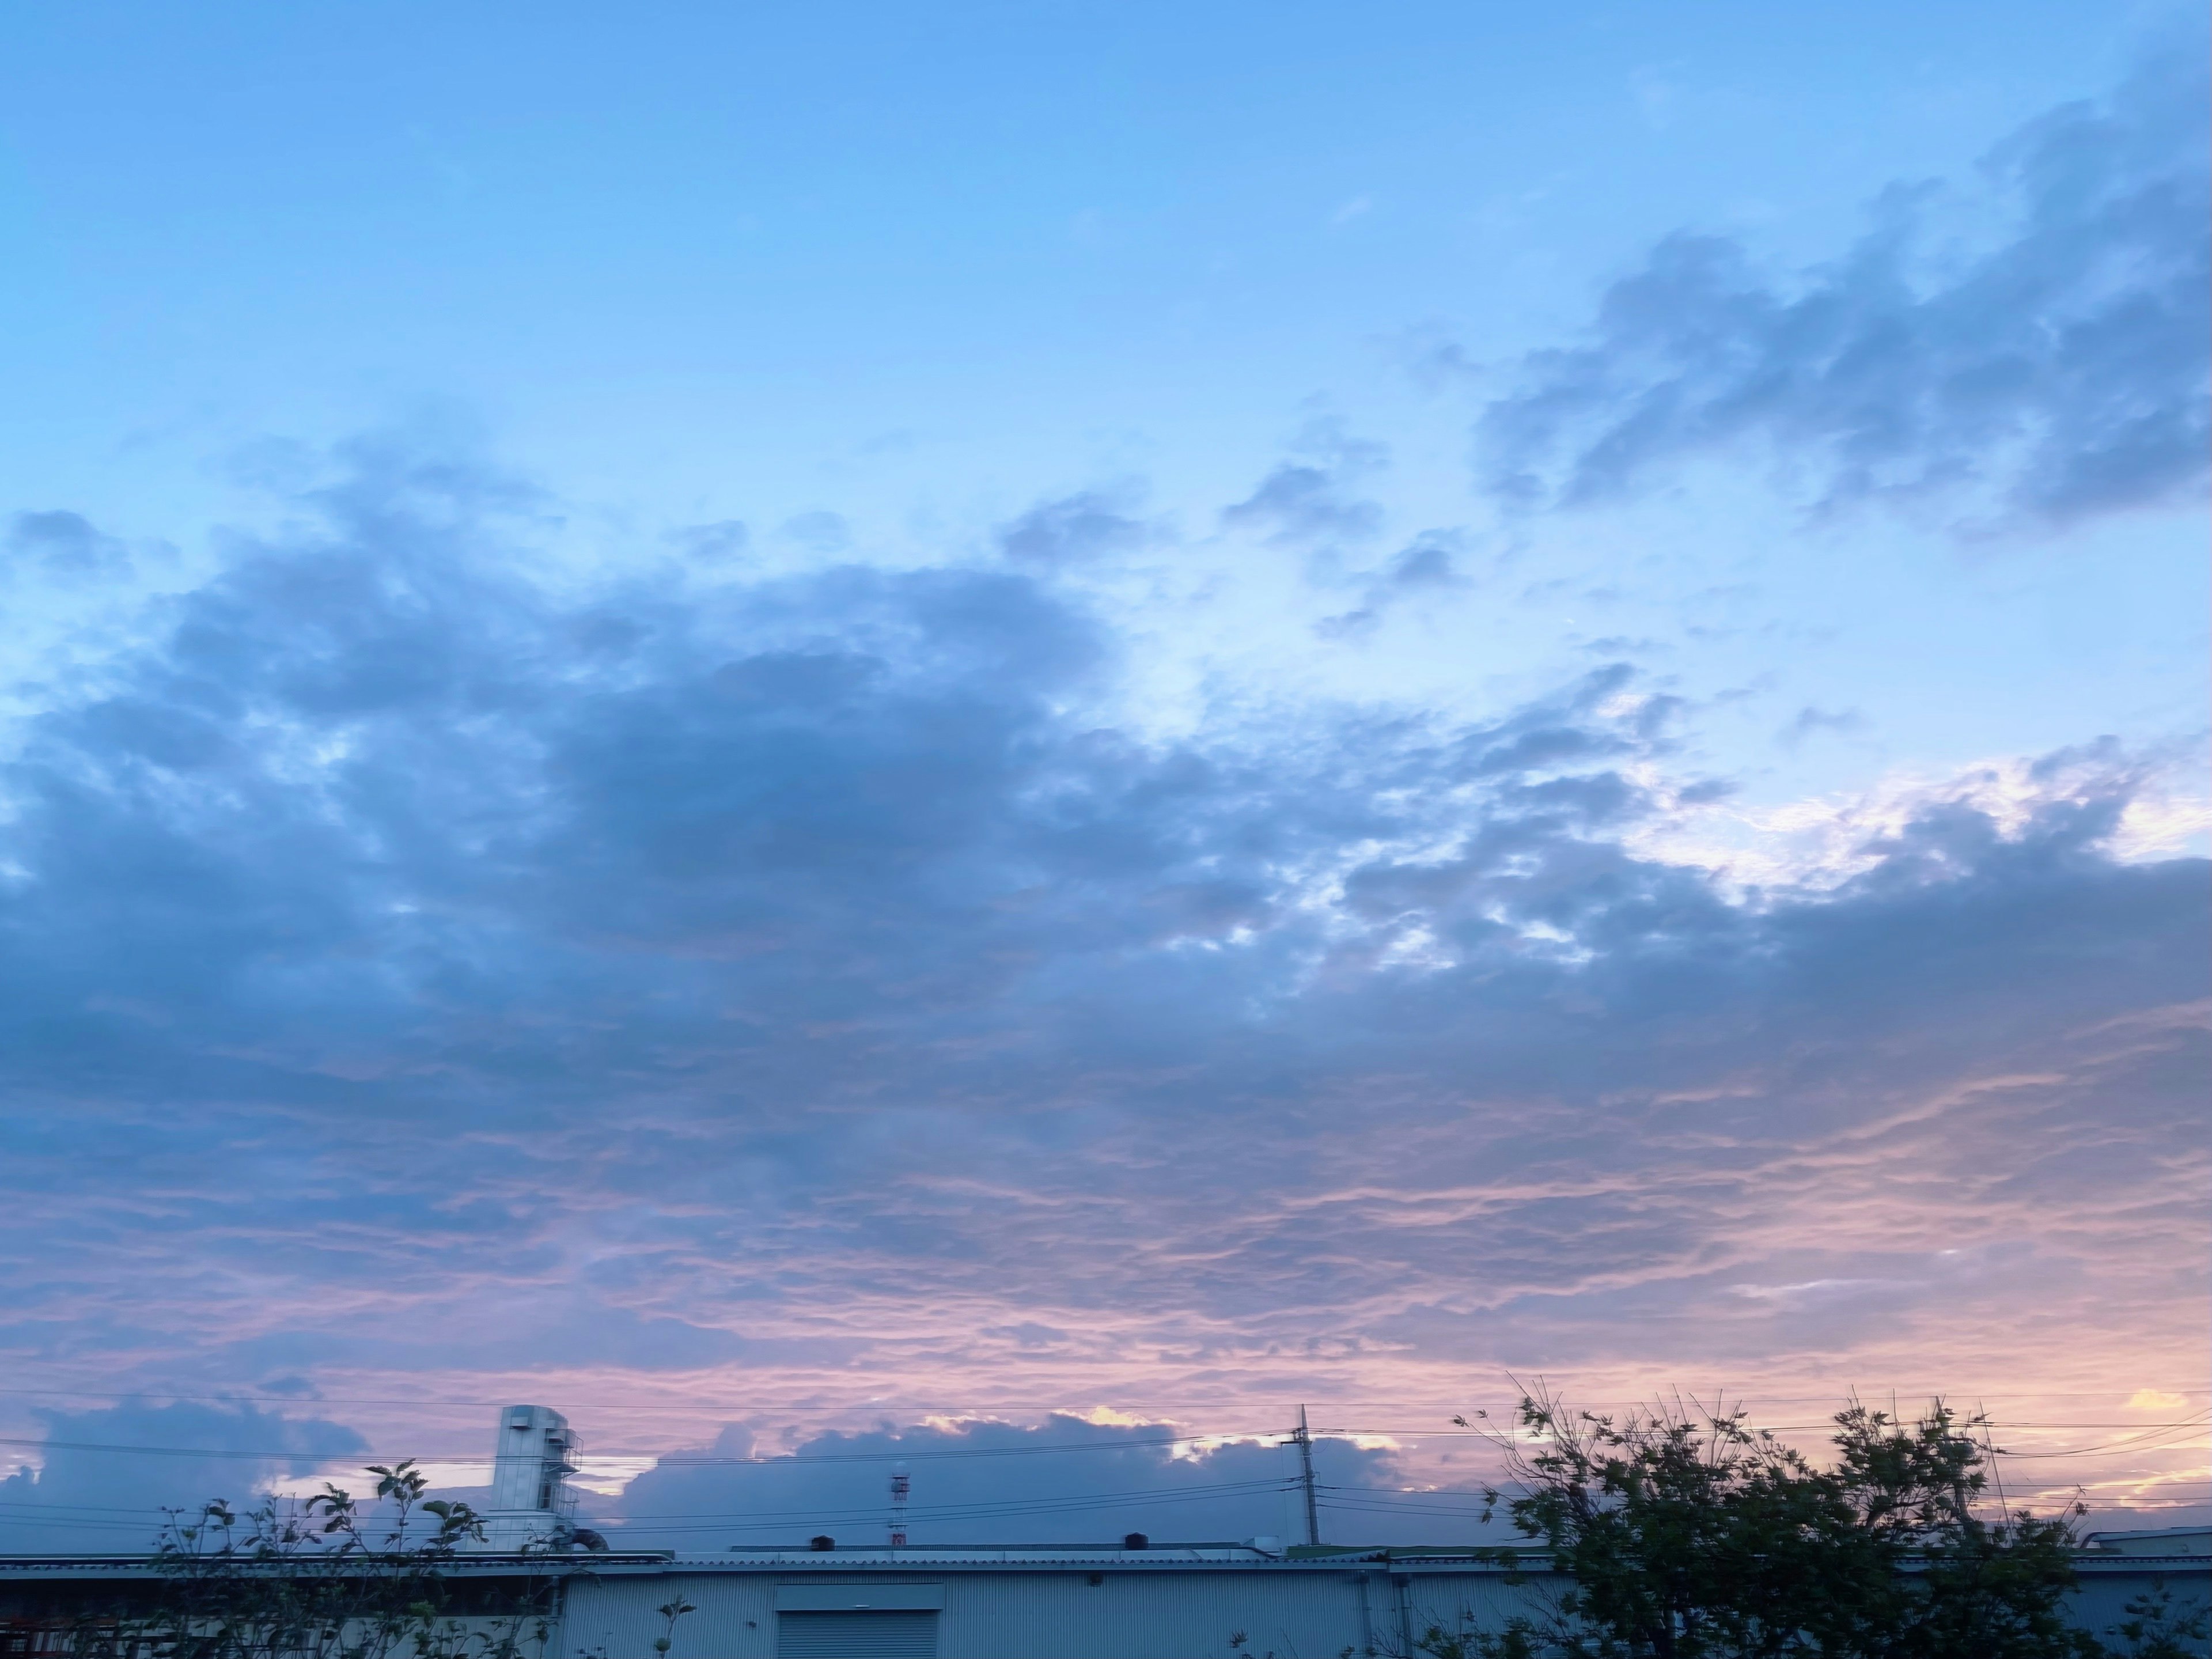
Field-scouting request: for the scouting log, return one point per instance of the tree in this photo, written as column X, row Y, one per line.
column 326, row 1579
column 1688, row 1534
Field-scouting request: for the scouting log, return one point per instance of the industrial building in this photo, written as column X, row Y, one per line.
column 1133, row 1600
column 1162, row 1601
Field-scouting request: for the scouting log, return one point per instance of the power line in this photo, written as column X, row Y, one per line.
column 1446, row 1404
column 292, row 1454
column 769, row 1520
column 2147, row 1438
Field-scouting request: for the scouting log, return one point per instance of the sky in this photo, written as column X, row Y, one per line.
column 1012, row 735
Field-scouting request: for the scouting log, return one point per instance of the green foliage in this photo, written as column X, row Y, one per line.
column 669, row 1613
column 1690, row 1535
column 327, row 1578
column 318, row 1580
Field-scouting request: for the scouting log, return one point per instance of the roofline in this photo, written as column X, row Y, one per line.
column 993, row 1558
column 2203, row 1531
column 1000, row 1558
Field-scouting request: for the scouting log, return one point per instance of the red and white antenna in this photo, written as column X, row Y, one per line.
column 902, row 1485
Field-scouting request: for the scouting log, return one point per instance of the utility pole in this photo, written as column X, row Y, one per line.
column 1305, row 1476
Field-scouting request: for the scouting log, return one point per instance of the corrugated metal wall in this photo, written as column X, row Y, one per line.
column 1294, row 1613
column 1059, row 1615
column 616, row 1616
column 1148, row 1614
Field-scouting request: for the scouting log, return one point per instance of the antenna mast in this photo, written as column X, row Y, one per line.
column 902, row 1485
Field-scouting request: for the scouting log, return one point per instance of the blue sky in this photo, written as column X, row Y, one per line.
column 781, row 723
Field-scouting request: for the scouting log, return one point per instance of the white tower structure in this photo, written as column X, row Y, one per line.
column 532, row 1457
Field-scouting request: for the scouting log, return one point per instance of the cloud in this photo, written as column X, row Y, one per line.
column 1087, row 525
column 1064, row 1479
column 724, row 539
column 105, row 1476
column 64, row 545
column 1302, row 502
column 1810, row 721
column 1308, row 499
column 1821, row 842
column 801, row 987
column 2056, row 376
column 1431, row 564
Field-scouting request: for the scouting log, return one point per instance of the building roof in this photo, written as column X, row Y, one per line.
column 2155, row 1540
column 2187, row 1548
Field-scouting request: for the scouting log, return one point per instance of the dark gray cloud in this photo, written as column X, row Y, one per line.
column 408, row 969
column 2061, row 373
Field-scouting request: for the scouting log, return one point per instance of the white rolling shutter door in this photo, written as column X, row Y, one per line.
column 856, row 1635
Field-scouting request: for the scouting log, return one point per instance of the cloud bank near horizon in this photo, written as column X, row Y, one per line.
column 410, row 963
column 1061, row 1480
